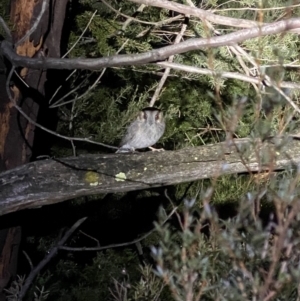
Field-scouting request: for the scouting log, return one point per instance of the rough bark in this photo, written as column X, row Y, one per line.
column 16, row 133
column 51, row 181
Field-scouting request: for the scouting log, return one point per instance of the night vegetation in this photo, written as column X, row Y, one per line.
column 225, row 236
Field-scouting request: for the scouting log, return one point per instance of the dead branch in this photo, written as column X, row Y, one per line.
column 168, row 69
column 234, row 75
column 51, row 181
column 198, row 12
column 150, row 56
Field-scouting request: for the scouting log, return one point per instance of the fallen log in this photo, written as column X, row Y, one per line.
column 55, row 180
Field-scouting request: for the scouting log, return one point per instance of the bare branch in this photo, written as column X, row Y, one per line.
column 6, row 30
column 267, row 9
column 59, row 103
column 41, row 126
column 59, row 135
column 83, row 32
column 198, row 12
column 233, row 75
column 28, row 259
column 167, row 70
column 150, row 56
column 126, row 16
column 57, row 90
column 85, row 81
column 137, row 240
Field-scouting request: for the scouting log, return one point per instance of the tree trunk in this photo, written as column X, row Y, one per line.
column 16, row 133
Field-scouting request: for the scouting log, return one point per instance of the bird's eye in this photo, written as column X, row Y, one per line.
column 157, row 116
column 142, row 116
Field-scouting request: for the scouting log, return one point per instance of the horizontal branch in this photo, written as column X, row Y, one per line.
column 198, row 12
column 221, row 74
column 150, row 56
column 51, row 181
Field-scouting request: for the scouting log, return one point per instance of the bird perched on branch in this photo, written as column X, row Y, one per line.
column 143, row 132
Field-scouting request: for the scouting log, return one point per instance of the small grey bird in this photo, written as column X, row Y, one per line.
column 144, row 131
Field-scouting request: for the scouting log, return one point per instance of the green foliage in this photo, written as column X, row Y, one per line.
column 149, row 287
column 188, row 100
column 12, row 293
column 72, row 281
column 240, row 259
column 4, row 13
column 283, row 48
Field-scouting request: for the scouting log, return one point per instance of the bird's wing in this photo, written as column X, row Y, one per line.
column 131, row 132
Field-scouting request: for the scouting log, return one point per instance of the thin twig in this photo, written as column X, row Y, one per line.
column 257, row 9
column 203, row 14
column 129, row 20
column 6, row 30
column 236, row 49
column 58, row 102
column 288, row 99
column 192, row 69
column 91, row 237
column 76, row 42
column 47, row 258
column 167, row 70
column 42, row 127
column 73, row 115
column 83, row 32
column 59, row 135
column 233, row 75
column 57, row 90
column 118, row 245
column 28, row 259
column 126, row 16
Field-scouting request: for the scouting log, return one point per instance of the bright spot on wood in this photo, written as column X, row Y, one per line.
column 145, row 168
column 92, row 178
column 120, row 177
column 196, row 158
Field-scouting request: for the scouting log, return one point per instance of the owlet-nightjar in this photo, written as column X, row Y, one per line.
column 143, row 132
